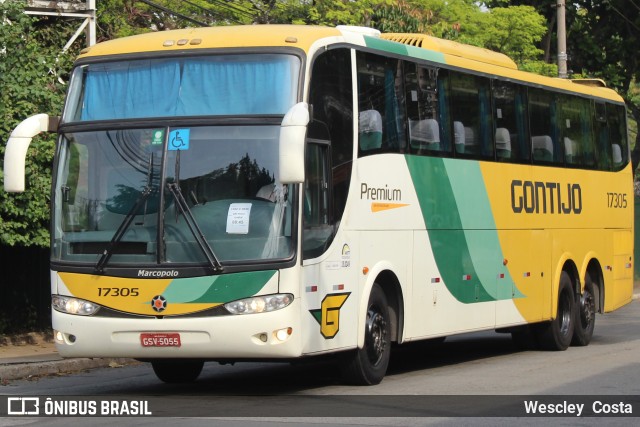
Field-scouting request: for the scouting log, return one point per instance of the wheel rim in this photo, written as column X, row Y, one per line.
column 587, row 308
column 376, row 338
column 565, row 313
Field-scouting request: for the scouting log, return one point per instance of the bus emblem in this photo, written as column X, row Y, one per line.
column 159, row 303
column 328, row 315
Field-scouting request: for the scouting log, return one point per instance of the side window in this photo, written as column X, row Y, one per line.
column 329, row 143
column 424, row 95
column 616, row 120
column 544, row 134
column 381, row 122
column 510, row 119
column 470, row 101
column 603, row 144
column 576, row 133
column 318, row 230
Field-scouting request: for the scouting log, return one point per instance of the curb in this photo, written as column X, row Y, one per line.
column 21, row 371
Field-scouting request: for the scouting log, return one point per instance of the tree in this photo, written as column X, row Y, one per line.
column 33, row 71
column 602, row 40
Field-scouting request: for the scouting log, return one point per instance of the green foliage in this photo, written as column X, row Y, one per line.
column 539, row 67
column 513, row 31
column 32, row 76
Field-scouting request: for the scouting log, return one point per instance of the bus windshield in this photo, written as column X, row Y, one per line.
column 131, row 193
column 220, row 85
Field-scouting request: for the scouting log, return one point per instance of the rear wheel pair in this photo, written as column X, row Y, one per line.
column 574, row 322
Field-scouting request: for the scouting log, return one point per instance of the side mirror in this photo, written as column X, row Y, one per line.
column 291, row 145
column 17, row 145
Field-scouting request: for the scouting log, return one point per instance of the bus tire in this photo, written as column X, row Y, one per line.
column 557, row 334
column 585, row 314
column 368, row 365
column 175, row 371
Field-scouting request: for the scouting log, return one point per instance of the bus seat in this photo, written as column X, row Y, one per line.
column 424, row 134
column 464, row 137
column 616, row 152
column 542, row 147
column 459, row 136
column 503, row 143
column 370, row 134
column 569, row 150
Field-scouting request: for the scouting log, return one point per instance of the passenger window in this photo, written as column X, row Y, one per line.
column 381, row 122
column 616, row 119
column 603, row 144
column 510, row 118
column 424, row 95
column 544, row 132
column 471, row 113
column 576, row 132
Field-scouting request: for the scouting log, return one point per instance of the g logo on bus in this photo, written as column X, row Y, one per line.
column 159, row 303
column 328, row 315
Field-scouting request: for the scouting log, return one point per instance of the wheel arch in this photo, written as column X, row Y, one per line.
column 388, row 280
column 593, row 267
column 565, row 264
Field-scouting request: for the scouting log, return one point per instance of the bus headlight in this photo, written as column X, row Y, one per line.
column 73, row 305
column 261, row 304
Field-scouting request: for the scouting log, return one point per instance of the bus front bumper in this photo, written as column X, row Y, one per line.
column 273, row 335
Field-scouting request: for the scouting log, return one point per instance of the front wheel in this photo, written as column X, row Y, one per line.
column 585, row 315
column 174, row 371
column 558, row 333
column 368, row 365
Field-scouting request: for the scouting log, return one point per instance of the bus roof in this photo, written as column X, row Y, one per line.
column 452, row 48
column 303, row 36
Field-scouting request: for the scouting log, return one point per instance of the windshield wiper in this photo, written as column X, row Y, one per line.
column 193, row 226
column 124, row 226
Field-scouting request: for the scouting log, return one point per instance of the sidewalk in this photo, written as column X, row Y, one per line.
column 34, row 354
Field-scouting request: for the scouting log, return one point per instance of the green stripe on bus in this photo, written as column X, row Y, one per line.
column 405, row 50
column 386, row 45
column 464, row 240
column 217, row 289
column 480, row 228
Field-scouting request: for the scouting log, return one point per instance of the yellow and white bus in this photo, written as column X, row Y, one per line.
column 277, row 192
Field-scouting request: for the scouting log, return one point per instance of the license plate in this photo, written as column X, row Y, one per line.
column 160, row 340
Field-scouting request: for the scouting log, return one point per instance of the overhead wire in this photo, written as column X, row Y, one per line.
column 174, row 13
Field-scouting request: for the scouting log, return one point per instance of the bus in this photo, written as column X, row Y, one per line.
column 277, row 192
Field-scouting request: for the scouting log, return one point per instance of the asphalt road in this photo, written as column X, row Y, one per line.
column 467, row 375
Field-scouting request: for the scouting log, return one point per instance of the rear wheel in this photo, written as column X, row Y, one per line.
column 174, row 371
column 557, row 334
column 368, row 365
column 585, row 314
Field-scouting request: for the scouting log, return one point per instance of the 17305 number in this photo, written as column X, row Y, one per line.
column 617, row 200
column 118, row 292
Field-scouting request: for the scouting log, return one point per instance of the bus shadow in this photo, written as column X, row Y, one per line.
column 430, row 354
column 248, row 378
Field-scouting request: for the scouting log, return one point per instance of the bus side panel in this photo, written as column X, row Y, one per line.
column 434, row 310
column 527, row 257
column 622, row 291
column 330, row 295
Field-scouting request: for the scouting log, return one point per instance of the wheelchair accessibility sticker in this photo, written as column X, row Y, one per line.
column 179, row 139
